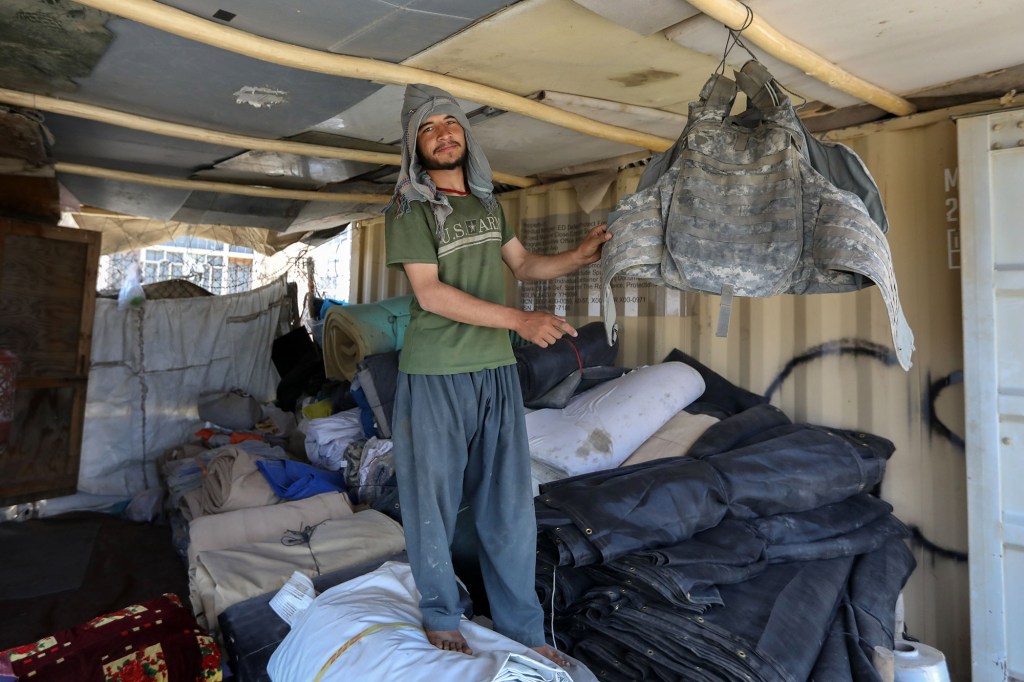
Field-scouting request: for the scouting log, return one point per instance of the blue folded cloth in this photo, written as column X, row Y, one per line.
column 291, row 480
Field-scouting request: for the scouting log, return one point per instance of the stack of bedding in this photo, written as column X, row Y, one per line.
column 252, row 520
column 759, row 555
column 657, row 565
column 222, row 577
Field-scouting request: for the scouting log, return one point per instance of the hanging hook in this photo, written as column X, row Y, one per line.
column 733, row 39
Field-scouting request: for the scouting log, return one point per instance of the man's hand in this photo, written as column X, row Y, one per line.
column 589, row 250
column 533, row 267
column 542, row 328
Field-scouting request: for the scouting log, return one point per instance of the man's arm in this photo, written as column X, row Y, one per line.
column 445, row 300
column 530, row 267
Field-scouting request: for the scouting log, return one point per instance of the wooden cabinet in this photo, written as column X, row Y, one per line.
column 47, row 304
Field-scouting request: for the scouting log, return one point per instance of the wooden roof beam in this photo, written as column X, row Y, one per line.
column 185, row 132
column 225, row 187
column 735, row 15
column 189, row 26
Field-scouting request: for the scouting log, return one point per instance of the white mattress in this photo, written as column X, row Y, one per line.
column 600, row 428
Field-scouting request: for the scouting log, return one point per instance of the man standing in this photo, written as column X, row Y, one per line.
column 459, row 426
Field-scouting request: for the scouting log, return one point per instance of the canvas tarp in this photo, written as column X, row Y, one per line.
column 124, row 233
column 151, row 363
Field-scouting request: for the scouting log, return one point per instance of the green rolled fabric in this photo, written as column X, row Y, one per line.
column 351, row 332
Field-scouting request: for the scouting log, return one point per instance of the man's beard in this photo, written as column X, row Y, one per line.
column 432, row 164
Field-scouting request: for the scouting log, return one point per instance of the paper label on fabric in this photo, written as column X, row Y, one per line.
column 579, row 293
column 295, row 596
column 553, row 234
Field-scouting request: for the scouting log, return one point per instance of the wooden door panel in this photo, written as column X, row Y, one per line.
column 47, row 305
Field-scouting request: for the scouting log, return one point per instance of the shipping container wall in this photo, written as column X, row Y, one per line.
column 823, row 359
column 916, row 169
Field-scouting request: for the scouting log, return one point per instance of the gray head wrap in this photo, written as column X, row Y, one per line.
column 414, row 184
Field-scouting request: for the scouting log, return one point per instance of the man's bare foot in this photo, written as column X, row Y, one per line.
column 449, row 640
column 552, row 654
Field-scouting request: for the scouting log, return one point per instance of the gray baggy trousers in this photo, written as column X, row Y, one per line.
column 460, row 439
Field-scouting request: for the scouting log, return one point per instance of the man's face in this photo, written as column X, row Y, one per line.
column 441, row 142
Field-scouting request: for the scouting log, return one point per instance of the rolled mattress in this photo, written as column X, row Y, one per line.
column 351, row 332
column 601, row 427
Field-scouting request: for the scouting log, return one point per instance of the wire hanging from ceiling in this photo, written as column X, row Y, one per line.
column 733, row 39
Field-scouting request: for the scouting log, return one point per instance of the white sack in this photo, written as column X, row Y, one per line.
column 371, row 628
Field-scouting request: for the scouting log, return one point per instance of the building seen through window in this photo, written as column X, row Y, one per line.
column 217, row 267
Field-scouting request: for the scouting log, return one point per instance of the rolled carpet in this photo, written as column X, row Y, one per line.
column 352, row 332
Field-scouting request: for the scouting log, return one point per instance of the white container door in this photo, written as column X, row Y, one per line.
column 991, row 167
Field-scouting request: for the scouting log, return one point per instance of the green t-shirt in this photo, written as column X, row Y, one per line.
column 468, row 257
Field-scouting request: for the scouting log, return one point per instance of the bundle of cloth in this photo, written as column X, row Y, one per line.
column 251, row 474
column 551, row 376
column 327, row 438
column 352, row 332
column 263, row 561
column 230, row 480
column 759, row 555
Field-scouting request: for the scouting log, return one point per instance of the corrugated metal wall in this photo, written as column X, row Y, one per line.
column 916, row 168
column 827, row 359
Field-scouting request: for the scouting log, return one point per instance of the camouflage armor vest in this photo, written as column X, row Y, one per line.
column 753, row 205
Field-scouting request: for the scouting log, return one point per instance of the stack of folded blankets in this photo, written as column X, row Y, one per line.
column 255, row 516
column 761, row 554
